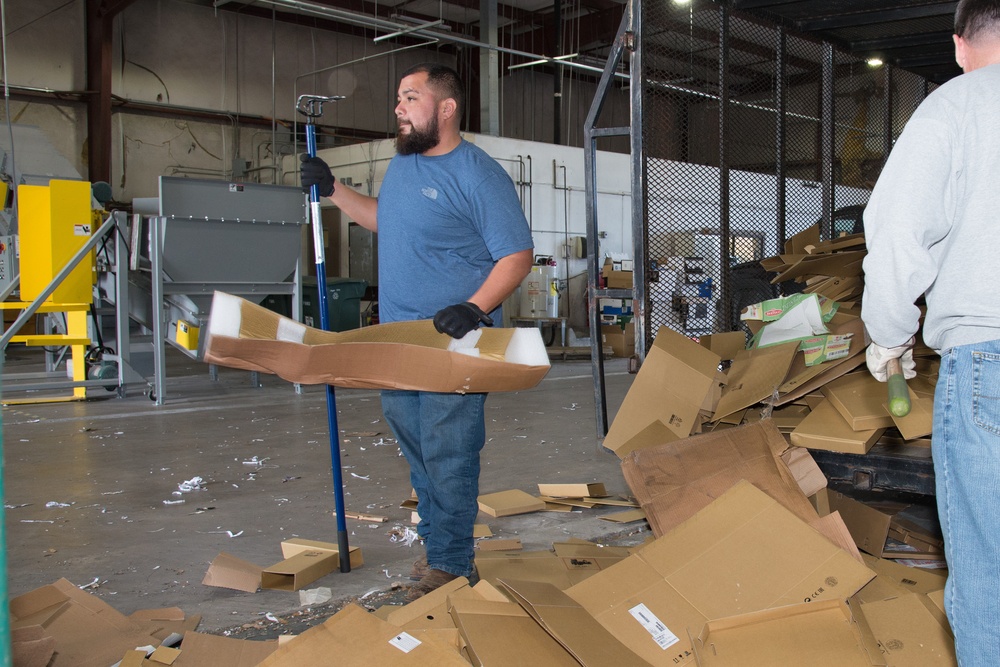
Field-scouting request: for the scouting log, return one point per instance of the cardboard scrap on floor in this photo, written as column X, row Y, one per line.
column 304, row 562
column 507, row 503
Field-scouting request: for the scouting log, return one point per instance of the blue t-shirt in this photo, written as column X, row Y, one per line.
column 443, row 222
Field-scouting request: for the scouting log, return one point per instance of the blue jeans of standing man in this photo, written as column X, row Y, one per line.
column 441, row 436
column 966, row 450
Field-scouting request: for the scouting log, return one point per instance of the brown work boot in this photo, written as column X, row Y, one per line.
column 420, row 569
column 431, row 581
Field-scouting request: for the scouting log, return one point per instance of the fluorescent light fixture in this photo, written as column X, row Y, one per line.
column 542, row 61
column 874, row 62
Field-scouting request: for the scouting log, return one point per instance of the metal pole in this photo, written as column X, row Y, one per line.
column 6, row 659
column 312, row 107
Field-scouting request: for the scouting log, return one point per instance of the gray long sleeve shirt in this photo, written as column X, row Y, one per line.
column 932, row 224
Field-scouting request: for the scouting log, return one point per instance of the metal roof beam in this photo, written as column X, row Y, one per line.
column 834, row 22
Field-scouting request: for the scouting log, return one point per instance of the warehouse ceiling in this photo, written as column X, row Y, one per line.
column 914, row 35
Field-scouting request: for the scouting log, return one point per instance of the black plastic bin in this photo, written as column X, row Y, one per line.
column 343, row 298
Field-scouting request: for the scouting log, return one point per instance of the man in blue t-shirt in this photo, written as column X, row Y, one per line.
column 453, row 243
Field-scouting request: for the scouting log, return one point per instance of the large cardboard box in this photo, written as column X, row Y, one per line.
column 670, row 388
column 398, row 355
column 673, row 482
column 621, row 341
column 616, row 279
column 743, row 553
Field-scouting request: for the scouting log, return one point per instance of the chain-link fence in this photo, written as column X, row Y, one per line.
column 749, row 136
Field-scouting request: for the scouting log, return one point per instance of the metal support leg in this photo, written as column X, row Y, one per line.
column 156, row 224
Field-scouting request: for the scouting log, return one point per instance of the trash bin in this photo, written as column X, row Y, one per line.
column 343, row 299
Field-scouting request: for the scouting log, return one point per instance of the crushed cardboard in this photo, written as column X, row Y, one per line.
column 674, row 481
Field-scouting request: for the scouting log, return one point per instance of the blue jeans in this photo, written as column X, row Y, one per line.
column 441, row 436
column 966, row 450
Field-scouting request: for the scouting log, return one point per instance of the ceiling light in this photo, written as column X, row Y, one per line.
column 874, row 62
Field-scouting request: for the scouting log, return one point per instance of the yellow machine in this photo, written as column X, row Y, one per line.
column 54, row 222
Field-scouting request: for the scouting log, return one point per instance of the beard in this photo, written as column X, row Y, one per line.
column 418, row 141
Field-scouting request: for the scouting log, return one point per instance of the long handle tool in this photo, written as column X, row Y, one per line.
column 899, row 394
column 311, row 106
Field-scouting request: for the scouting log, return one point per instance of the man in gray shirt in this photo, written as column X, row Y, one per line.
column 933, row 229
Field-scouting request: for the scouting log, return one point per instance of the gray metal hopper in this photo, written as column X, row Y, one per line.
column 240, row 238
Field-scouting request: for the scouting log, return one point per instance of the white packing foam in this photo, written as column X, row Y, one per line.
column 526, row 347
column 226, row 315
column 290, row 331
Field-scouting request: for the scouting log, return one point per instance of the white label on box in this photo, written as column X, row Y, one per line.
column 405, row 642
column 661, row 635
column 81, row 230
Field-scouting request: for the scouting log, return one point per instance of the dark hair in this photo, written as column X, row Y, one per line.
column 975, row 17
column 446, row 82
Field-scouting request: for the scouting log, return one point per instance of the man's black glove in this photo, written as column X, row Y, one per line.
column 316, row 172
column 460, row 318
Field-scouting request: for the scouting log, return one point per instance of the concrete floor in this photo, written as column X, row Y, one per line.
column 112, row 463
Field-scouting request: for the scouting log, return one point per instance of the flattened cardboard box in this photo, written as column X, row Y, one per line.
column 398, row 355
column 824, row 428
column 507, row 503
column 818, row 634
column 860, row 399
column 567, row 565
column 674, row 481
column 754, row 376
column 228, row 571
column 570, row 624
column 501, row 633
column 201, row 649
column 355, row 638
column 743, row 553
column 871, row 526
column 578, row 490
column 670, row 388
column 910, row 632
column 87, row 631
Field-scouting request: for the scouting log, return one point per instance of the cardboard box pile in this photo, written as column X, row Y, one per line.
column 742, row 580
column 804, row 377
